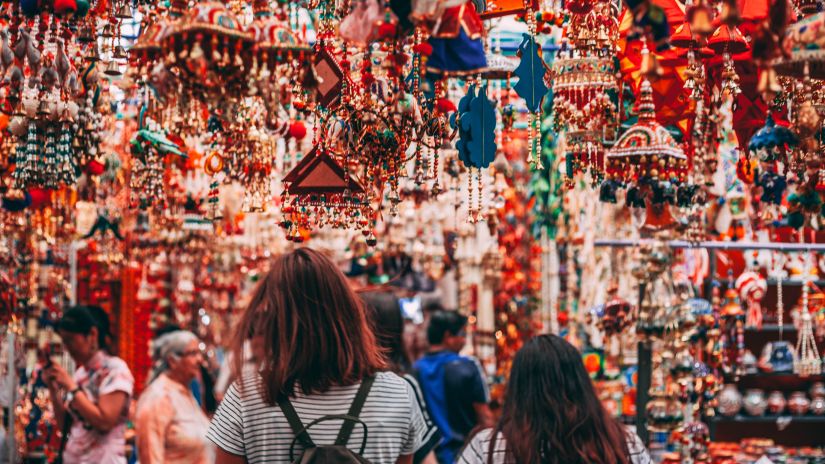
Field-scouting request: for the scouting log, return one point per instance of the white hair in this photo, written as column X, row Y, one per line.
column 170, row 345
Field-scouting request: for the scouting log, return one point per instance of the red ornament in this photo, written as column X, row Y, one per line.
column 367, row 79
column 62, row 7
column 445, row 105
column 40, row 197
column 387, row 31
column 423, row 48
column 95, row 168
column 297, row 130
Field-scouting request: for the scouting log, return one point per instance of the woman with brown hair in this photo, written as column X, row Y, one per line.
column 319, row 356
column 551, row 415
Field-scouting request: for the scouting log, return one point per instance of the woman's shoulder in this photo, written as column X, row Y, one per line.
column 154, row 398
column 477, row 450
column 636, row 448
column 390, row 383
column 115, row 364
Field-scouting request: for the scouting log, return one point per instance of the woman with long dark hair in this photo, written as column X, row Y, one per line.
column 551, row 415
column 320, row 359
column 389, row 330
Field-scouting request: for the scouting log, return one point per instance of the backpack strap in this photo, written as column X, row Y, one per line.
column 355, row 411
column 295, row 424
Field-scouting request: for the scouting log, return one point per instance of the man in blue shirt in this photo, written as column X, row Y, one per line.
column 453, row 385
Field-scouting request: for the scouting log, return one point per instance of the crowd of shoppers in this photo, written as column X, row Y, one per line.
column 319, row 373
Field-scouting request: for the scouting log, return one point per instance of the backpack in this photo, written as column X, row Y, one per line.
column 337, row 452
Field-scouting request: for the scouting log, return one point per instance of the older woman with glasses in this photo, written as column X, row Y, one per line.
column 171, row 427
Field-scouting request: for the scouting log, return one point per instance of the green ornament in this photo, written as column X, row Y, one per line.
column 82, row 8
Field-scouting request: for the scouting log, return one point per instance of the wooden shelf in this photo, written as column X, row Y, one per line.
column 786, row 430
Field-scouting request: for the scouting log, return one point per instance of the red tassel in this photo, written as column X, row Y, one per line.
column 367, row 79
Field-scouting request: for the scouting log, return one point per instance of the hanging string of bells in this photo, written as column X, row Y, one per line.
column 585, row 87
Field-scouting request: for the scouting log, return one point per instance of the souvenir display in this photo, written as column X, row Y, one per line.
column 644, row 178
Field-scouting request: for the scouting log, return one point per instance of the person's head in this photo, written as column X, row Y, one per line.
column 447, row 330
column 84, row 331
column 313, row 327
column 177, row 354
column 389, row 327
column 551, row 412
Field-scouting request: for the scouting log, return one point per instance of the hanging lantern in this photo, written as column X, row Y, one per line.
column 647, row 150
column 208, row 47
column 279, row 52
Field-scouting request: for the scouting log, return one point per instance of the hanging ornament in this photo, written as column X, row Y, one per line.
column 649, row 162
column 752, row 288
column 531, row 88
column 772, row 142
column 808, row 360
column 727, row 41
column 584, row 86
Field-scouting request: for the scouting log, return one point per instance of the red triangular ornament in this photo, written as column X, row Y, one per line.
column 320, row 174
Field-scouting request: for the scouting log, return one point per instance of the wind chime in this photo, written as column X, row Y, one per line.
column 808, row 360
column 584, row 88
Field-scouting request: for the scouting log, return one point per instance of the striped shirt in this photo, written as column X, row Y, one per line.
column 245, row 425
column 431, row 434
column 477, row 451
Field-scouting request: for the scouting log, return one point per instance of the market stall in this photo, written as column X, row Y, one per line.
column 644, row 178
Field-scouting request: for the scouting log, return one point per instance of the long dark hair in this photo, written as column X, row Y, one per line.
column 551, row 413
column 389, row 328
column 314, row 328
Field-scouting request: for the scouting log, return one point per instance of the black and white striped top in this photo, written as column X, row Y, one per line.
column 246, row 425
column 477, row 451
column 431, row 436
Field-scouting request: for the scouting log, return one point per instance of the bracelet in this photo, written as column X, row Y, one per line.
column 74, row 392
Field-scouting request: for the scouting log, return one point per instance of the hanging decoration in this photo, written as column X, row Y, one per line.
column 649, row 163
column 584, row 89
column 531, row 87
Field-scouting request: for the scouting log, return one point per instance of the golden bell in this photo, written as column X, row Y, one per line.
column 699, row 17
column 124, row 12
column 650, row 67
column 119, row 53
column 602, row 36
column 86, row 34
column 43, row 109
column 93, row 55
column 730, row 13
column 108, row 31
column 768, row 85
column 112, row 69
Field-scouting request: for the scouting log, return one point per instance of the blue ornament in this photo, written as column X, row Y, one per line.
column 482, row 124
column 771, row 140
column 530, row 73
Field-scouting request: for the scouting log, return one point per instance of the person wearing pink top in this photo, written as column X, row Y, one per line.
column 93, row 404
column 171, row 427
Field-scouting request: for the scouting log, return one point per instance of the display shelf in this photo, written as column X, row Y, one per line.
column 769, row 381
column 786, row 430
